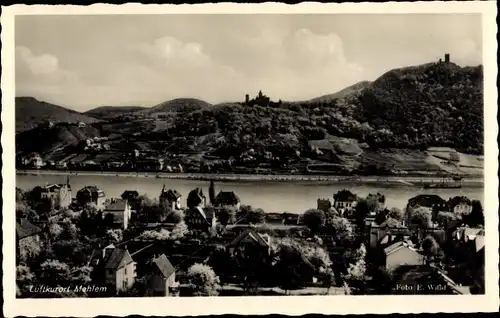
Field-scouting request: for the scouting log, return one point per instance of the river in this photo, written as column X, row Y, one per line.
column 271, row 196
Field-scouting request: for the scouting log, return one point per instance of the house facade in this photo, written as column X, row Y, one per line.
column 227, row 199
column 196, row 198
column 170, row 199
column 33, row 160
column 27, row 235
column 120, row 269
column 430, row 201
column 121, row 211
column 59, row 194
column 344, row 201
column 91, row 194
column 162, row 280
column 460, row 205
column 200, row 219
column 324, row 205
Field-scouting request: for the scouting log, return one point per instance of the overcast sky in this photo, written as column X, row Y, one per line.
column 82, row 62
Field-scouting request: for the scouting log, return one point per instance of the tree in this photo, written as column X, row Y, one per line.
column 430, row 248
column 69, row 230
column 114, row 235
column 54, row 273
column 203, row 280
column 179, row 230
column 55, row 230
column 226, row 215
column 421, row 218
column 256, row 216
column 476, row 217
column 175, row 216
column 24, row 277
column 446, row 219
column 396, row 214
column 361, row 211
column 342, row 230
column 314, row 219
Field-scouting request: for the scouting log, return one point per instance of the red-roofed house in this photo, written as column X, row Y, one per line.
column 121, row 211
column 120, row 269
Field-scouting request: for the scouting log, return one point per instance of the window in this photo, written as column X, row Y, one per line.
column 125, row 269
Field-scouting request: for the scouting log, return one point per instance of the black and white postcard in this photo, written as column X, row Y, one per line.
column 249, row 159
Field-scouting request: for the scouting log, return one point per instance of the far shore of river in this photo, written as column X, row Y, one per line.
column 469, row 181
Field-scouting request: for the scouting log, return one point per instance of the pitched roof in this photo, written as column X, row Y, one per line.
column 426, row 200
column 24, row 229
column 396, row 246
column 164, row 265
column 227, row 197
column 345, row 196
column 171, row 195
column 119, row 258
column 116, row 205
column 254, row 236
column 93, row 190
column 129, row 194
column 199, row 210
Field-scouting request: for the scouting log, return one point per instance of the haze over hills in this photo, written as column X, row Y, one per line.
column 386, row 124
column 31, row 112
column 108, row 112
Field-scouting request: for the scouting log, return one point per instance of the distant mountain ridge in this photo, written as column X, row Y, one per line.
column 407, row 110
column 108, row 112
column 31, row 112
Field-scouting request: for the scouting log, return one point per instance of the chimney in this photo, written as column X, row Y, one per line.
column 247, row 98
column 447, row 58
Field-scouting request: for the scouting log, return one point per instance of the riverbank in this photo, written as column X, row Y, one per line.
column 416, row 181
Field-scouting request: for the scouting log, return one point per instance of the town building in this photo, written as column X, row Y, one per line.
column 119, row 269
column 250, row 242
column 431, row 201
column 59, row 194
column 227, row 199
column 149, row 164
column 402, row 253
column 324, row 205
column 91, row 194
column 121, row 212
column 170, row 198
column 161, row 277
column 344, row 201
column 197, row 218
column 196, row 198
column 33, row 160
column 460, row 205
column 27, row 235
column 130, row 195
